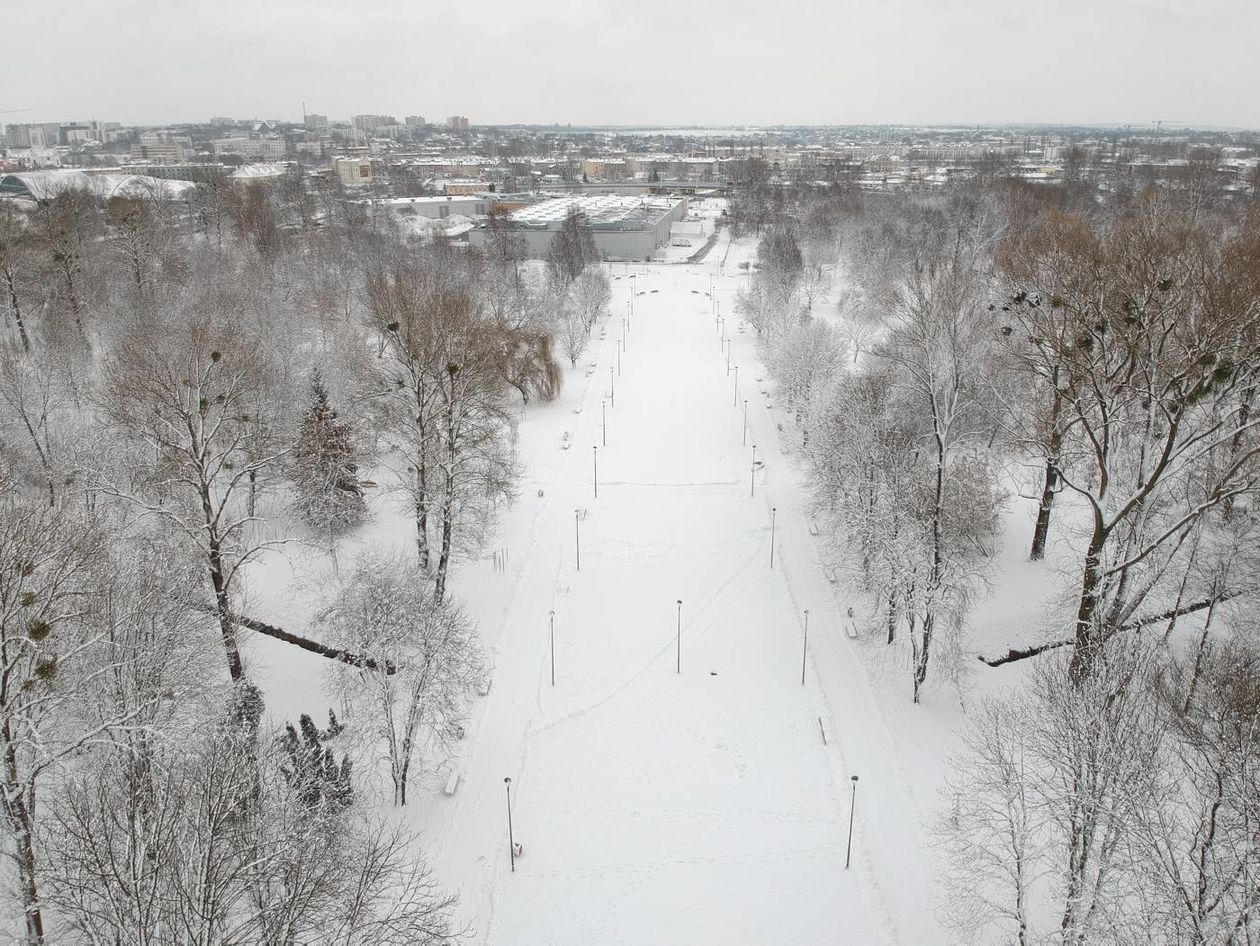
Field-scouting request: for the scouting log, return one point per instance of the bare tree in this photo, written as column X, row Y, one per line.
column 1147, row 326
column 591, row 293
column 64, row 226
column 46, row 654
column 384, row 610
column 14, row 262
column 185, row 385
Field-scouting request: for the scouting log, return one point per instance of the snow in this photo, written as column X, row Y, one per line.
column 43, row 185
column 655, row 806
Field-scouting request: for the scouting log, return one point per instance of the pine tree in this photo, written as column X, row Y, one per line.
column 312, row 770
column 329, row 491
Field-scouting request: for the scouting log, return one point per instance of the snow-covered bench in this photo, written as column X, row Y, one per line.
column 452, row 783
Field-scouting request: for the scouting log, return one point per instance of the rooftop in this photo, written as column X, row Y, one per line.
column 603, row 212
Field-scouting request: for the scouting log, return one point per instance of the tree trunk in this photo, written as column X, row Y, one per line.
column 17, row 808
column 1202, row 649
column 16, row 306
column 1042, row 527
column 76, row 307
column 422, row 484
column 1051, row 484
column 936, row 575
column 1088, row 640
column 219, row 581
column 227, row 627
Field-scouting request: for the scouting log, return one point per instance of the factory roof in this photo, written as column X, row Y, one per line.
column 602, row 212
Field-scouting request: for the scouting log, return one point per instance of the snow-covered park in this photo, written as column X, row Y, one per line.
column 678, row 783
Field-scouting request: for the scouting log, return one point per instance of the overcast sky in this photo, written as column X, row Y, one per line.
column 635, row 61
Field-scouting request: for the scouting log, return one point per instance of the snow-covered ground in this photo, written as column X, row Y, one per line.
column 656, row 806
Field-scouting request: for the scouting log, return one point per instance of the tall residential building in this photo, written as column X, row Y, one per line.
column 457, row 123
column 316, row 122
column 372, row 122
column 415, row 120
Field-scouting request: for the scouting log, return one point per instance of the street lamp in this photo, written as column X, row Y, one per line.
column 553, row 648
column 678, row 640
column 752, row 476
column 577, row 536
column 603, row 421
column 773, row 511
column 804, row 646
column 852, row 804
column 736, row 399
column 595, row 454
column 507, row 780
column 612, row 387
column 745, row 440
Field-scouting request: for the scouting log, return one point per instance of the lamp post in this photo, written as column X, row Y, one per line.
column 736, row 403
column 678, row 641
column 745, row 440
column 603, row 422
column 804, row 646
column 619, row 358
column 773, row 512
column 752, row 476
column 852, row 804
column 612, row 387
column 507, row 780
column 595, row 454
column 577, row 537
column 553, row 648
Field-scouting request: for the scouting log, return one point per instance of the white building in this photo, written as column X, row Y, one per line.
column 254, row 149
column 353, row 172
column 623, row 228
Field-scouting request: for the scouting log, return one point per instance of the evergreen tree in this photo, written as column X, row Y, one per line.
column 312, row 770
column 329, row 491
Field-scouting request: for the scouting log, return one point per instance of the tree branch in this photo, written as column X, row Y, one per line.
column 1011, row 656
column 332, row 653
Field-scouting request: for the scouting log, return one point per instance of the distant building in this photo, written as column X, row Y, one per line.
column 316, row 122
column 623, row 227
column 368, row 123
column 438, row 208
column 459, row 187
column 254, row 149
column 457, row 123
column 164, row 149
column 353, row 172
column 415, row 120
column 34, row 135
column 75, row 134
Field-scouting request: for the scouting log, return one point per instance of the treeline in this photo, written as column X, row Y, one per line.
column 1100, row 356
column 183, row 386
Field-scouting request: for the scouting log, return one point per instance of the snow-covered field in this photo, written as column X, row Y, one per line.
column 657, row 806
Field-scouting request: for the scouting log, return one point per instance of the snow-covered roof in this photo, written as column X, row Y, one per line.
column 44, row 185
column 254, row 171
column 605, row 211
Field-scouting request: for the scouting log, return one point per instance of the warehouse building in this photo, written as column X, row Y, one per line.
column 624, row 228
